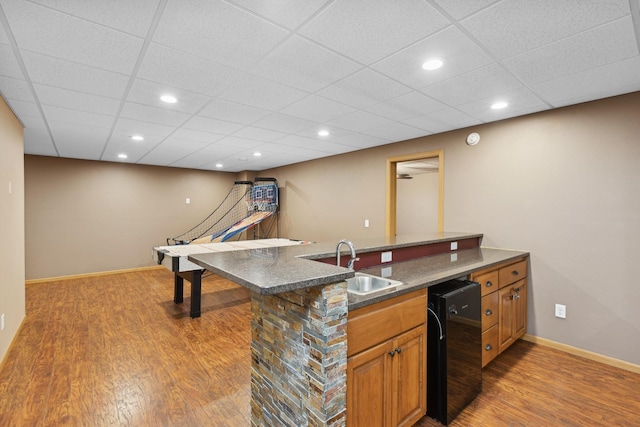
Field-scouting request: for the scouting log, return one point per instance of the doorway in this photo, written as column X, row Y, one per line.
column 393, row 164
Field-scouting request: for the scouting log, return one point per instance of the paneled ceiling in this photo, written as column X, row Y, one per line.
column 84, row 76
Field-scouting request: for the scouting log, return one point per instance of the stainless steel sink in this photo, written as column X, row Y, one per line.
column 363, row 284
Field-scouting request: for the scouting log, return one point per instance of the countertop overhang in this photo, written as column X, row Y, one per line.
column 283, row 269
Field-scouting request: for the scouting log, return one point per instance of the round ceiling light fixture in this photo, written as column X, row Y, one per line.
column 137, row 137
column 122, row 156
column 433, row 64
column 219, row 165
column 169, row 99
column 323, row 133
column 473, row 138
column 499, row 105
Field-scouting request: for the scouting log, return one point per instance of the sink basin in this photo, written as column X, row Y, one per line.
column 363, row 284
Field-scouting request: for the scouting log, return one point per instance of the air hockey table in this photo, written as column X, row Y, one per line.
column 174, row 258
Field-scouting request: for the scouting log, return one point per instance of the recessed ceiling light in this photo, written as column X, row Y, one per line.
column 499, row 105
column 219, row 165
column 137, row 137
column 257, row 154
column 122, row 156
column 169, row 99
column 433, row 64
column 323, row 133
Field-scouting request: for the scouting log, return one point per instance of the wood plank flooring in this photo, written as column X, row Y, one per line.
column 116, row 351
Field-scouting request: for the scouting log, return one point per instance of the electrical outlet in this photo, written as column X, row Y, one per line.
column 454, row 246
column 366, row 223
column 385, row 257
column 561, row 311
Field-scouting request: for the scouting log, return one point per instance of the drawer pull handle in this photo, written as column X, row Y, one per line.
column 488, row 347
column 515, row 272
column 488, row 284
column 489, row 312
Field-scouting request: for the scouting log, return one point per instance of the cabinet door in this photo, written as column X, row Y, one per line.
column 369, row 385
column 520, row 309
column 410, row 392
column 506, row 322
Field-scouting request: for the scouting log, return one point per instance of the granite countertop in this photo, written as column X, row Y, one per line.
column 281, row 269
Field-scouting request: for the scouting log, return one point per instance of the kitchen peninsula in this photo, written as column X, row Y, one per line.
column 300, row 304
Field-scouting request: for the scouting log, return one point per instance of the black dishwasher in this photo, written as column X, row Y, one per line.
column 454, row 348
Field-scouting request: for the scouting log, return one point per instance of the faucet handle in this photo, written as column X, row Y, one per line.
column 351, row 262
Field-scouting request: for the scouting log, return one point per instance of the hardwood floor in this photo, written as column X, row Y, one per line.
column 115, row 350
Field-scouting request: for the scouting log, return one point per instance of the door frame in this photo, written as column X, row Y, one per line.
column 392, row 168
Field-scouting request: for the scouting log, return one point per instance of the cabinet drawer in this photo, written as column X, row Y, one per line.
column 379, row 322
column 512, row 273
column 489, row 310
column 488, row 282
column 489, row 345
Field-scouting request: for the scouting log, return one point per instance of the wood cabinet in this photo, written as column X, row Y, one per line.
column 504, row 306
column 386, row 371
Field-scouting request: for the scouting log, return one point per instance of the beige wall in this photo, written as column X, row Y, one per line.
column 562, row 184
column 86, row 216
column 417, row 204
column 12, row 302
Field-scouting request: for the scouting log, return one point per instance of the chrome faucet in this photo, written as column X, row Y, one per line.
column 351, row 249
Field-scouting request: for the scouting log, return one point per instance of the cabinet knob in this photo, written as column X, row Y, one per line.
column 488, row 347
column 515, row 272
column 488, row 284
column 489, row 312
column 392, row 353
column 398, row 350
column 516, row 290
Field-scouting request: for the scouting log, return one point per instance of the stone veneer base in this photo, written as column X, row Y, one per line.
column 299, row 357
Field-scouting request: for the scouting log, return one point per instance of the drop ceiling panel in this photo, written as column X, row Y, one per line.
column 195, row 135
column 146, row 113
column 16, row 89
column 461, row 9
column 360, row 121
column 25, row 108
column 43, row 30
column 458, row 51
column 205, row 124
column 79, row 101
column 360, row 140
column 125, row 128
column 289, row 13
column 232, row 112
column 369, row 30
column 608, row 80
column 133, row 17
column 258, row 134
column 394, row 130
column 182, row 70
column 363, row 89
column 442, row 120
column 317, row 109
column 283, row 123
column 261, row 93
column 304, row 65
column 607, row 44
column 73, row 76
column 406, row 106
column 531, row 24
column 149, row 93
column 218, row 31
column 78, row 141
column 39, row 142
column 474, row 85
column 66, row 115
column 521, row 101
column 9, row 66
